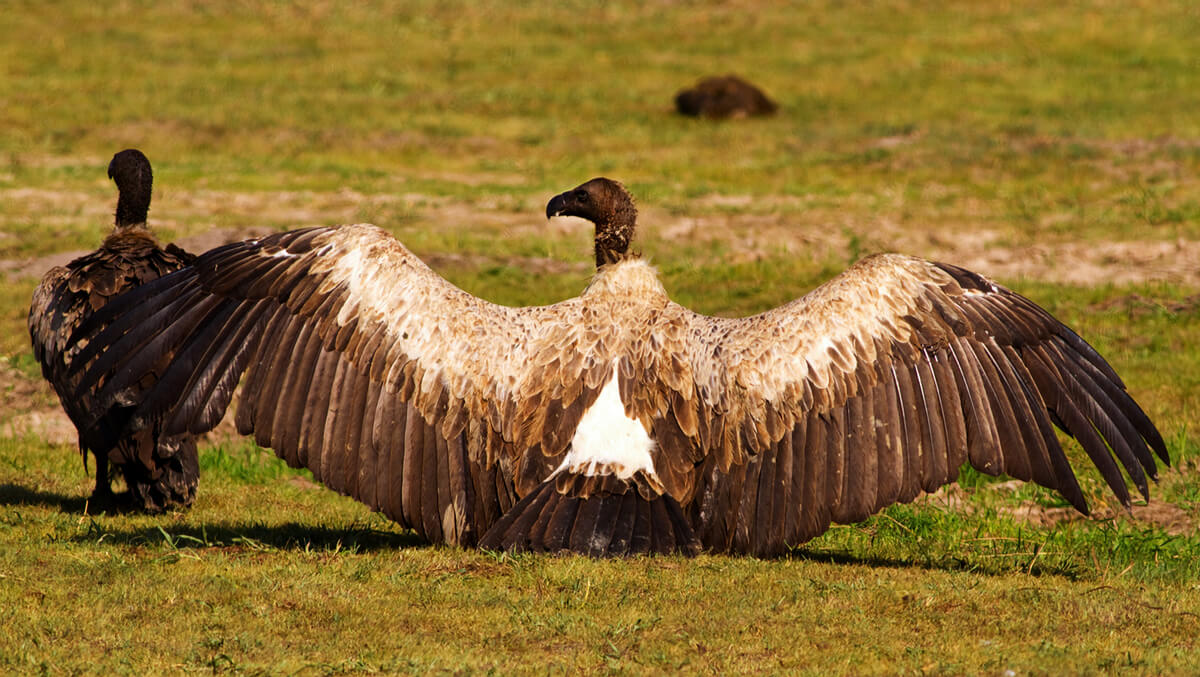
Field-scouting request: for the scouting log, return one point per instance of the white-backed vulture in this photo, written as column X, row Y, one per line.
column 616, row 422
column 160, row 471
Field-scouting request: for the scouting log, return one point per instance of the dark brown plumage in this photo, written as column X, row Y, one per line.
column 726, row 96
column 160, row 471
column 616, row 422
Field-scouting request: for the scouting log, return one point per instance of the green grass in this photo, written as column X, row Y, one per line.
column 451, row 123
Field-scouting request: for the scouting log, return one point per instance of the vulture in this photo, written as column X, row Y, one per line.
column 160, row 471
column 616, row 422
column 725, row 96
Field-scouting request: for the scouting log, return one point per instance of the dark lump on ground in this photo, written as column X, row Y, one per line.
column 725, row 96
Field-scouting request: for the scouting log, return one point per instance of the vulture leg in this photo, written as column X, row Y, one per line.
column 103, row 490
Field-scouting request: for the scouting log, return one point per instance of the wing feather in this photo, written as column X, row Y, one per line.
column 368, row 456
column 835, row 469
column 860, row 475
column 300, row 366
column 888, row 452
column 779, row 491
column 393, row 426
column 818, row 508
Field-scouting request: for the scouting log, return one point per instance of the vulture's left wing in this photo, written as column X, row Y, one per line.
column 877, row 385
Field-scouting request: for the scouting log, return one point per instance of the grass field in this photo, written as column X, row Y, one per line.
column 1053, row 147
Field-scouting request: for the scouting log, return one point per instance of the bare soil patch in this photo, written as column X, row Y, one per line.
column 1169, row 517
column 823, row 233
column 798, row 228
column 29, row 407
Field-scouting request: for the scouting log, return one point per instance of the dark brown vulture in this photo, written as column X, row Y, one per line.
column 616, row 422
column 160, row 471
column 726, row 96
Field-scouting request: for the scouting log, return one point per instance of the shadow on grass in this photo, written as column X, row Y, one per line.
column 253, row 536
column 15, row 494
column 121, row 503
column 289, row 536
column 949, row 562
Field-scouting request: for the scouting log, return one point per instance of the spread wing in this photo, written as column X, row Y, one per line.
column 444, row 411
column 361, row 364
column 874, row 387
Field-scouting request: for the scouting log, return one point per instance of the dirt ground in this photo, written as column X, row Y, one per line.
column 1168, row 516
column 797, row 228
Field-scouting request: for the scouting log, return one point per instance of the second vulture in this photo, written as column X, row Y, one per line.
column 616, row 422
column 160, row 471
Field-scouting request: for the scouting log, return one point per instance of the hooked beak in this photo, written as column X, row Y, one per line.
column 556, row 206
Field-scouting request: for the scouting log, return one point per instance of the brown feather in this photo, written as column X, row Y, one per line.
column 817, row 511
column 331, row 469
column 587, row 534
column 889, row 455
column 537, row 537
column 794, row 507
column 935, row 472
column 951, row 408
column 316, row 409
column 256, row 376
column 369, row 466
column 861, row 476
column 623, row 526
column 413, row 473
column 431, row 486
column 662, row 530
column 449, row 502
column 983, row 441
column 765, row 531
column 745, row 529
column 1015, row 391
column 289, row 414
column 389, row 439
column 835, row 468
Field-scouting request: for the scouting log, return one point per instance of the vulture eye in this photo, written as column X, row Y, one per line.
column 582, row 195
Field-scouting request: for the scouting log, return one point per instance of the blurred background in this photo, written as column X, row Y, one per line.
column 997, row 135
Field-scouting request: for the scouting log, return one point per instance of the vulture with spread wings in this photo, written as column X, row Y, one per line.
column 616, row 422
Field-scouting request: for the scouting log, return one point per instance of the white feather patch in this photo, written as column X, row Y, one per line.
column 607, row 440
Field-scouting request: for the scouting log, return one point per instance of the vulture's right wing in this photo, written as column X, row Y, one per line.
column 361, row 364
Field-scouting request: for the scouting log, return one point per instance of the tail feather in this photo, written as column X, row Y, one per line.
column 558, row 529
column 594, row 524
column 164, row 476
column 622, row 534
column 597, row 516
column 641, row 540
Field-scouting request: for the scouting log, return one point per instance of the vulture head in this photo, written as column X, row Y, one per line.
column 130, row 170
column 607, row 204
